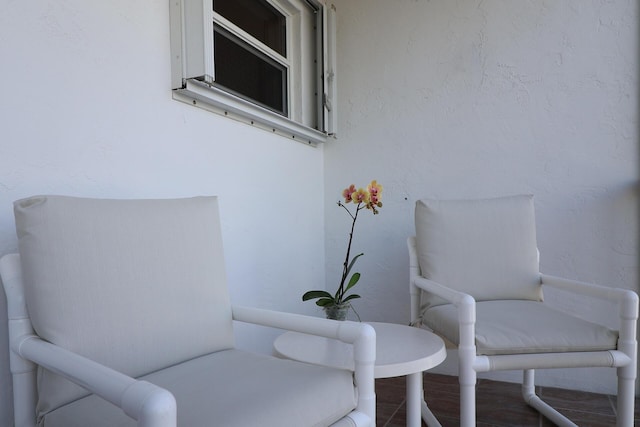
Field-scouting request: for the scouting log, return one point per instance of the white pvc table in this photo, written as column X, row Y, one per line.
column 400, row 350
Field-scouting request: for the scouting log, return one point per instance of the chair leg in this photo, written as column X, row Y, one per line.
column 529, row 395
column 528, row 384
column 467, row 377
column 626, row 396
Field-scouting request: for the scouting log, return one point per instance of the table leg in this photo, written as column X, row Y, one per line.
column 417, row 409
column 428, row 416
column 414, row 399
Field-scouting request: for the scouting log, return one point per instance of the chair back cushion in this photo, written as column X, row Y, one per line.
column 137, row 285
column 486, row 248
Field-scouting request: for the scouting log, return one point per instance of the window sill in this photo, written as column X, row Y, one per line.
column 218, row 101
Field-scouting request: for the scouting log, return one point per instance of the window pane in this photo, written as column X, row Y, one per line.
column 249, row 73
column 258, row 18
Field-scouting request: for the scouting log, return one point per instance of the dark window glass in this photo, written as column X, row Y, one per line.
column 258, row 18
column 249, row 73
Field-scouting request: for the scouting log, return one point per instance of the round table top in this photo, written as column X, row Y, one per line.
column 400, row 350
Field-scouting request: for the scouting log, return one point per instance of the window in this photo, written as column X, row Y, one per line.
column 256, row 72
column 269, row 63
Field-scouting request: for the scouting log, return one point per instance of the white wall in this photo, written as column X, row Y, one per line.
column 436, row 98
column 484, row 98
column 86, row 110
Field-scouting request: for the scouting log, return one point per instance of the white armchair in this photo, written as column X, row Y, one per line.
column 121, row 307
column 474, row 279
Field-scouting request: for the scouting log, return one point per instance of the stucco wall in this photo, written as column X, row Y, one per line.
column 436, row 98
column 468, row 99
column 86, row 110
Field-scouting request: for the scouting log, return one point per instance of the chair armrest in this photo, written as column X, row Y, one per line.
column 590, row 289
column 455, row 297
column 361, row 335
column 148, row 404
column 466, row 306
column 345, row 331
column 628, row 303
column 627, row 299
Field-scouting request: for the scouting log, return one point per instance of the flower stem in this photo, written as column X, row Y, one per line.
column 345, row 267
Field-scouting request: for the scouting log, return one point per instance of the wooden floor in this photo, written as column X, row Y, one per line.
column 498, row 404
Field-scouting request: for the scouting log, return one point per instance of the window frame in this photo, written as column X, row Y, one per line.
column 193, row 82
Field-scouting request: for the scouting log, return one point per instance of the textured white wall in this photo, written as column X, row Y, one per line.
column 483, row 98
column 437, row 98
column 86, row 110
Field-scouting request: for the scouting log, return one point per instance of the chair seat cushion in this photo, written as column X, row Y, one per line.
column 516, row 326
column 232, row 388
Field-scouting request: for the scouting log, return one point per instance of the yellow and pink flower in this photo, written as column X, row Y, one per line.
column 347, row 192
column 375, row 194
column 360, row 196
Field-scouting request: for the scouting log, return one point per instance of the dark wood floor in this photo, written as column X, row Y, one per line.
column 498, row 404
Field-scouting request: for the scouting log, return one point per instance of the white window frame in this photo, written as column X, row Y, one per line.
column 192, row 66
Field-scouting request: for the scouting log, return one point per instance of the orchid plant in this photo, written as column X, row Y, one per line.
column 369, row 198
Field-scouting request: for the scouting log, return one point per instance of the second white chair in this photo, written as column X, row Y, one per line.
column 474, row 279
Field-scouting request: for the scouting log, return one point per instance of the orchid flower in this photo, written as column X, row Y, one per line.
column 369, row 198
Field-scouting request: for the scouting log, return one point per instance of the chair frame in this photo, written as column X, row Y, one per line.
column 624, row 359
column 148, row 404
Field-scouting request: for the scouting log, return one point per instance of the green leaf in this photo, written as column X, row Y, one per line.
column 353, row 261
column 316, row 294
column 353, row 281
column 350, row 297
column 325, row 301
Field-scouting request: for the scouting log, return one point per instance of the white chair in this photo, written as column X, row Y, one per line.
column 122, row 308
column 474, row 279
